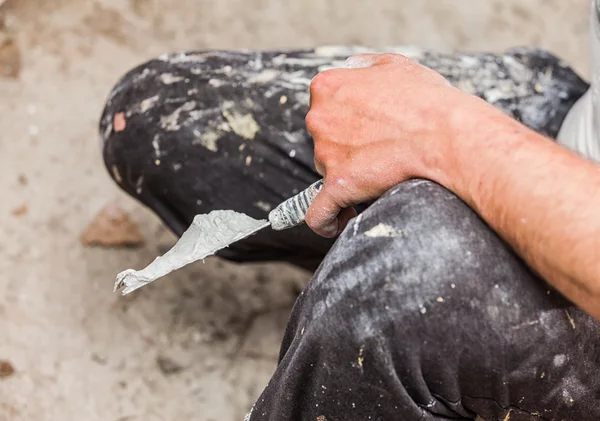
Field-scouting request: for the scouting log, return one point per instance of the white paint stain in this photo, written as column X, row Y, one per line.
column 207, row 139
column 215, row 83
column 156, row 145
column 265, row 76
column 171, row 122
column 248, row 160
column 243, row 125
column 357, row 224
column 224, row 127
column 567, row 396
column 263, row 206
column 138, row 185
column 170, row 78
column 148, row 103
column 293, row 137
column 292, row 153
column 559, row 360
column 383, row 230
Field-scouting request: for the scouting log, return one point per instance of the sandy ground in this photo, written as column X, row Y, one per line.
column 201, row 344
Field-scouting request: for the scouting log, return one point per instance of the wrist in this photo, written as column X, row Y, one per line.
column 477, row 134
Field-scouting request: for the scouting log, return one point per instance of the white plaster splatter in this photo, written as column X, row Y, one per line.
column 215, row 83
column 171, row 122
column 559, row 360
column 357, row 224
column 156, row 145
column 383, row 230
column 263, row 206
column 170, row 78
column 207, row 139
column 243, row 125
column 264, row 76
column 148, row 103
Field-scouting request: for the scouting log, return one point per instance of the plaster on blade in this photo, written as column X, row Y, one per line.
column 208, row 234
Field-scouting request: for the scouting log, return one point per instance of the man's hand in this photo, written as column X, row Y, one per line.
column 376, row 126
column 380, row 121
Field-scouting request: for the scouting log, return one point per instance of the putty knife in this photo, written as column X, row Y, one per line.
column 212, row 232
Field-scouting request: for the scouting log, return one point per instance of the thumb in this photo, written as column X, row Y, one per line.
column 322, row 216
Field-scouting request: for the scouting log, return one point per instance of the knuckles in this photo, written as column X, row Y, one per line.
column 391, row 58
column 324, row 83
column 323, row 154
column 315, row 121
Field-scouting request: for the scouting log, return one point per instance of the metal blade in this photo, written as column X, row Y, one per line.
column 207, row 235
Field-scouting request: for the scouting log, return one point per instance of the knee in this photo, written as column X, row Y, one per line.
column 418, row 259
column 158, row 117
column 127, row 125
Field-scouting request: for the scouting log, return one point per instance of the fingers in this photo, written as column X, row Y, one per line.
column 344, row 217
column 327, row 216
column 322, row 216
column 320, row 167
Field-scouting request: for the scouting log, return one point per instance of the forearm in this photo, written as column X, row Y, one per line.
column 543, row 200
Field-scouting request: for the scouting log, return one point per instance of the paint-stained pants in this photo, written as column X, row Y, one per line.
column 418, row 312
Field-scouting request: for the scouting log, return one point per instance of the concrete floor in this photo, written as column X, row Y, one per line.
column 201, row 344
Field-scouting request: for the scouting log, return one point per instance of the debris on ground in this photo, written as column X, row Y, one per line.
column 112, row 227
column 20, row 211
column 168, row 366
column 6, row 369
column 10, row 54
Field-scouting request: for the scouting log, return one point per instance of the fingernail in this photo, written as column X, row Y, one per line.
column 330, row 230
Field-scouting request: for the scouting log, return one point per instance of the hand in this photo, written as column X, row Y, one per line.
column 380, row 121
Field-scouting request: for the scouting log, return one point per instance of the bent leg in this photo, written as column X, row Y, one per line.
column 192, row 132
column 420, row 313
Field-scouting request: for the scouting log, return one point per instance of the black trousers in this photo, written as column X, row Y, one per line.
column 418, row 311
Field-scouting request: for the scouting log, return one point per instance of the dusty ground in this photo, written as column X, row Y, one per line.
column 203, row 343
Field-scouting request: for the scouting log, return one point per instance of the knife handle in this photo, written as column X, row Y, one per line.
column 292, row 212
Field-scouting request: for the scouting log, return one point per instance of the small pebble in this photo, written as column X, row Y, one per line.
column 167, row 366
column 6, row 369
column 20, row 211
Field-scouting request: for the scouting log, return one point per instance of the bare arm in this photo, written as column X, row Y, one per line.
column 375, row 127
column 542, row 199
